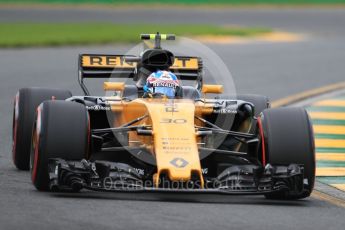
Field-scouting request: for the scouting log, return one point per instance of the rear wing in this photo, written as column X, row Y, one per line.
column 115, row 66
column 105, row 66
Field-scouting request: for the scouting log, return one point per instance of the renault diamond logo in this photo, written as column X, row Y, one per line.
column 179, row 162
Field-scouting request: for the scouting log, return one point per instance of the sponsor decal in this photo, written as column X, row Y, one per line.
column 173, row 121
column 225, row 107
column 225, row 111
column 204, row 171
column 185, row 63
column 171, row 108
column 176, row 145
column 117, row 61
column 177, row 148
column 98, row 108
column 163, row 80
column 141, row 172
column 106, row 62
column 164, row 84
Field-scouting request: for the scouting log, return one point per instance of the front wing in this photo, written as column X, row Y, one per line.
column 118, row 177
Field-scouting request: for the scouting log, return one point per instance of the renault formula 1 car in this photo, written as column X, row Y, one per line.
column 192, row 143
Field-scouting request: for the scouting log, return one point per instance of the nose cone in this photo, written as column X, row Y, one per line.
column 175, row 143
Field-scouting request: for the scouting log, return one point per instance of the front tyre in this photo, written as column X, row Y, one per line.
column 289, row 139
column 61, row 130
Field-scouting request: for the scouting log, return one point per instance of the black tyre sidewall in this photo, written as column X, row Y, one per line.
column 289, row 139
column 38, row 160
column 63, row 133
column 26, row 102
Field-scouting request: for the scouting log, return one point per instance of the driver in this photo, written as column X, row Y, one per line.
column 162, row 83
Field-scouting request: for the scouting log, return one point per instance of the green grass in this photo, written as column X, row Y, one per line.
column 55, row 34
column 184, row 2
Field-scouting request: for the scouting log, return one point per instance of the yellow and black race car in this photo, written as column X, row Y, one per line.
column 125, row 141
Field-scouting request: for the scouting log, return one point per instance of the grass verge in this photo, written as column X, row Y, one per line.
column 57, row 34
column 181, row 2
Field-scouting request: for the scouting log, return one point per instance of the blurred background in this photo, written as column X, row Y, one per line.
column 289, row 46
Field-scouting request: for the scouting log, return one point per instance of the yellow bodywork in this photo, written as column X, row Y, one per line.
column 174, row 141
column 174, row 138
column 212, row 89
column 114, row 86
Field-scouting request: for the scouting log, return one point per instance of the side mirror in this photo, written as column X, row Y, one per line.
column 218, row 89
column 114, row 86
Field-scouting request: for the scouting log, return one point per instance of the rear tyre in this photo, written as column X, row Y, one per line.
column 25, row 104
column 289, row 139
column 61, row 131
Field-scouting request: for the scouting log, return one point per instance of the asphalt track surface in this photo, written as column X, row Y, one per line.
column 276, row 70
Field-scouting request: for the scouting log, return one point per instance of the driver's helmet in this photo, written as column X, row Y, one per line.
column 162, row 83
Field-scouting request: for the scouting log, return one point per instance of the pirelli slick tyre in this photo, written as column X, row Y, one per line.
column 25, row 104
column 288, row 138
column 62, row 130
